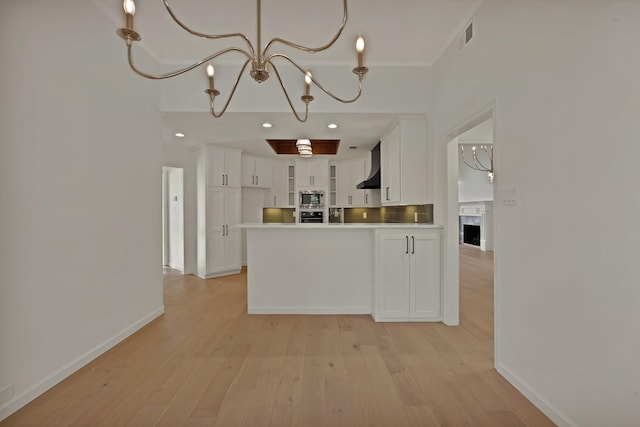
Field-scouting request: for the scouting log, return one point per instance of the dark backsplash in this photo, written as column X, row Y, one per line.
column 278, row 215
column 385, row 214
column 391, row 214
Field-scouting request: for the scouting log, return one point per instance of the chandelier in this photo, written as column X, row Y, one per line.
column 477, row 165
column 260, row 60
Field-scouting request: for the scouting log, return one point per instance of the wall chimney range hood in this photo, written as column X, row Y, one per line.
column 373, row 181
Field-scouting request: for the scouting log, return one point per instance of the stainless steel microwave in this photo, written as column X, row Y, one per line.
column 312, row 199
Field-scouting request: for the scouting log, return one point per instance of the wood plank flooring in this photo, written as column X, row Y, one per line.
column 206, row 362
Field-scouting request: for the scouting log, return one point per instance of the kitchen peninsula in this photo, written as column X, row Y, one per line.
column 391, row 271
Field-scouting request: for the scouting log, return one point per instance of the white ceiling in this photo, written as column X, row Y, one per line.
column 398, row 32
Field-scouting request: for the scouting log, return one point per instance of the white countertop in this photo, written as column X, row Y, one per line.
column 337, row 226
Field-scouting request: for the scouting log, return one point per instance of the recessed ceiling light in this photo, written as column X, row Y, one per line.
column 180, row 134
column 332, row 126
column 266, row 125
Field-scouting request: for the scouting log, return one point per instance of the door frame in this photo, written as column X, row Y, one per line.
column 452, row 251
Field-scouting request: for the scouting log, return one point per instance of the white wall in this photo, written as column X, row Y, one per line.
column 563, row 77
column 473, row 185
column 80, row 175
column 184, row 158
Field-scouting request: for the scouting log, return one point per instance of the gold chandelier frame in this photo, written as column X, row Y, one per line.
column 260, row 60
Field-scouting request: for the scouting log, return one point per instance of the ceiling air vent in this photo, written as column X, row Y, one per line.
column 466, row 36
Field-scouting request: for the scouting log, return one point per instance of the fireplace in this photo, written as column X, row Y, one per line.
column 476, row 225
column 471, row 234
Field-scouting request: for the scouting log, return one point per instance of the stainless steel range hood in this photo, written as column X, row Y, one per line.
column 373, row 181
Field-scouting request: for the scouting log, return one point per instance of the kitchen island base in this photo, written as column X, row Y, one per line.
column 345, row 269
column 309, row 271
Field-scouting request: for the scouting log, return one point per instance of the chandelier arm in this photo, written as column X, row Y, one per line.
column 479, row 163
column 344, row 101
column 304, row 48
column 233, row 90
column 286, row 94
column 208, row 36
column 481, row 166
column 472, row 166
column 182, row 70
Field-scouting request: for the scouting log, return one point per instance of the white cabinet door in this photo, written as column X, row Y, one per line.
column 390, row 156
column 223, row 251
column 357, row 176
column 407, row 175
column 223, row 167
column 256, row 172
column 264, row 173
column 425, row 276
column 216, row 167
column 343, row 177
column 215, row 229
column 312, row 172
column 408, row 275
column 248, row 175
column 393, row 293
column 350, row 173
column 280, row 186
column 232, row 168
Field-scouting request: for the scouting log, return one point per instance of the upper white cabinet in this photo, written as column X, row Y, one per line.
column 282, row 185
column 408, row 278
column 349, row 174
column 311, row 172
column 257, row 172
column 222, row 167
column 406, row 168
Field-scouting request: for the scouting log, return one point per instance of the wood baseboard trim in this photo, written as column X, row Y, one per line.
column 26, row 396
column 551, row 411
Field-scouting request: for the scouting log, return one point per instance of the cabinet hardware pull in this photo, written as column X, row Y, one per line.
column 222, row 179
column 407, row 251
column 274, row 200
column 366, row 199
column 253, row 179
column 256, row 179
column 413, row 245
column 387, row 193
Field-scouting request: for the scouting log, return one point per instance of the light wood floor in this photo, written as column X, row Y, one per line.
column 207, row 363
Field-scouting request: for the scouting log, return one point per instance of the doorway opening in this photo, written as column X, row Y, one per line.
column 173, row 218
column 470, row 235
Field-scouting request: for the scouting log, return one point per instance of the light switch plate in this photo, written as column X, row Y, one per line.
column 509, row 196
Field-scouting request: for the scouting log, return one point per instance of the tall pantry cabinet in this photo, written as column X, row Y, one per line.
column 218, row 211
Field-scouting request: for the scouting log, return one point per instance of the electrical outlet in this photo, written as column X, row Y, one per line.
column 6, row 393
column 364, row 215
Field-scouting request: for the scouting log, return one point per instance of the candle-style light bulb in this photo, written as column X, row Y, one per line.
column 307, row 82
column 129, row 7
column 129, row 10
column 210, row 73
column 360, row 50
